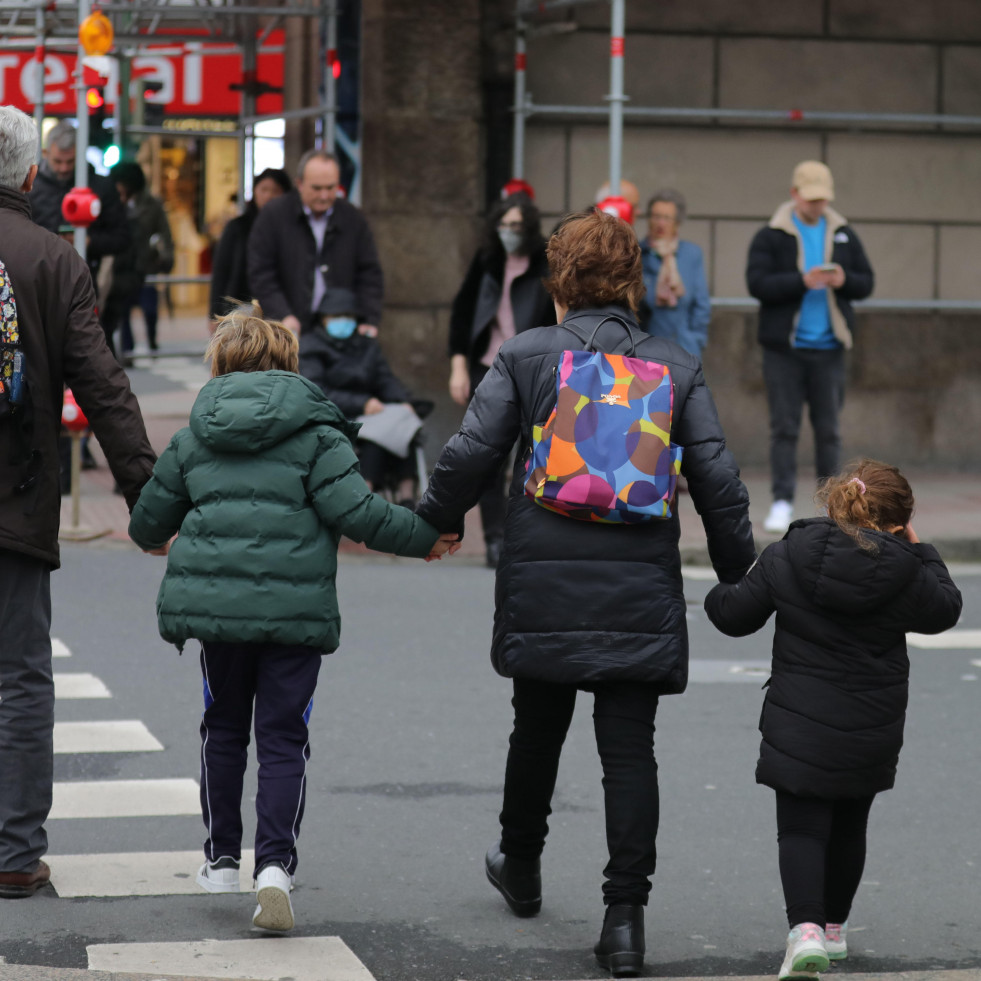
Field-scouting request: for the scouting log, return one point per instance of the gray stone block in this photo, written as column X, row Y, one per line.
column 962, row 80
column 765, row 73
column 732, row 240
column 942, row 20
column 960, row 247
column 902, row 257
column 918, row 178
column 724, row 16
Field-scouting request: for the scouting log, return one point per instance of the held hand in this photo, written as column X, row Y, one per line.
column 816, row 278
column 373, row 406
column 368, row 330
column 836, row 278
column 460, row 385
column 446, row 544
column 291, row 323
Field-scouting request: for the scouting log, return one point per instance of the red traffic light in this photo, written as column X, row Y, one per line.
column 94, row 98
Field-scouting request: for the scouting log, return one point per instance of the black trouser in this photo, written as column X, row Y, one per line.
column 381, row 468
column 822, row 855
column 623, row 720
column 280, row 681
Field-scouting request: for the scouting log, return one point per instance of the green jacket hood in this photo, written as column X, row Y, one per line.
column 247, row 411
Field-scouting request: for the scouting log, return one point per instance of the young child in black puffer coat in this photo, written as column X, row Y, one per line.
column 846, row 588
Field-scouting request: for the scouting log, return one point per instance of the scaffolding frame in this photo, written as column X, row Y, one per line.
column 42, row 25
column 616, row 111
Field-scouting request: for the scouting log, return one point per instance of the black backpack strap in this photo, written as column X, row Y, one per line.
column 590, row 342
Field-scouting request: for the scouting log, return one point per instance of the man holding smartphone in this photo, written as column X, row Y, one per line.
column 805, row 267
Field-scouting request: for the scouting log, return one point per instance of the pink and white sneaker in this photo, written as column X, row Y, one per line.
column 835, row 941
column 806, row 953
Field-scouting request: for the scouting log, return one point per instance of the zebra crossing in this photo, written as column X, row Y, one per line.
column 101, row 875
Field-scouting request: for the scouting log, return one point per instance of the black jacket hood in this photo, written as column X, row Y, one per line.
column 838, row 576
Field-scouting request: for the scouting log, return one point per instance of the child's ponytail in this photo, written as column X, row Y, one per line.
column 867, row 494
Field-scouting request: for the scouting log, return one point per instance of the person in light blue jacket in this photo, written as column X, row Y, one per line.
column 674, row 274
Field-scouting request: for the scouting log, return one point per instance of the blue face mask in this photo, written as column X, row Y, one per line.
column 341, row 327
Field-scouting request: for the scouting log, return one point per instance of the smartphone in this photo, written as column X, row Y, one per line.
column 827, row 267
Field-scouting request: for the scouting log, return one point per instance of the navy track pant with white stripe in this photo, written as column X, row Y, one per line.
column 279, row 681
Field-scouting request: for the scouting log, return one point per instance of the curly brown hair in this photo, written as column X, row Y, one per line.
column 594, row 260
column 244, row 341
column 867, row 494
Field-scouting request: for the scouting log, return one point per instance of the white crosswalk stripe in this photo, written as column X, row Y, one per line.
column 119, row 736
column 949, row 640
column 124, row 798
column 135, row 874
column 79, row 685
column 59, row 648
column 277, row 959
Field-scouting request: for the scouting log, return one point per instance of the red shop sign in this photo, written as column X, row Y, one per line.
column 195, row 79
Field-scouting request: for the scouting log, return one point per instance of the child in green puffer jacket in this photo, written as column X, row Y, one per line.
column 260, row 487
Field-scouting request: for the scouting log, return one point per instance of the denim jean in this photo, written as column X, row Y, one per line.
column 792, row 378
column 623, row 720
column 26, row 710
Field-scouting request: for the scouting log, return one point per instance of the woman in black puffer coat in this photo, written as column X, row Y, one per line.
column 584, row 606
column 846, row 589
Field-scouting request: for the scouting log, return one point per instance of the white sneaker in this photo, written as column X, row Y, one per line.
column 835, row 935
column 806, row 953
column 780, row 516
column 220, row 875
column 272, row 892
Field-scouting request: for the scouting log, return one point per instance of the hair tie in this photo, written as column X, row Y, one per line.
column 861, row 484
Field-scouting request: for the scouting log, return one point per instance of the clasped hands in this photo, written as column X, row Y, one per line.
column 446, row 544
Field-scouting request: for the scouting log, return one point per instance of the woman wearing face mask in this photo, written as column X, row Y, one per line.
column 502, row 295
column 350, row 369
column 229, row 274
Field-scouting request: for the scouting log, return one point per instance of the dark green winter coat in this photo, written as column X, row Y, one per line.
column 261, row 486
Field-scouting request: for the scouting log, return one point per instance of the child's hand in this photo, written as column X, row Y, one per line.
column 445, row 544
column 911, row 535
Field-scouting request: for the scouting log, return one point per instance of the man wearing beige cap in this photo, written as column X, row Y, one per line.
column 805, row 267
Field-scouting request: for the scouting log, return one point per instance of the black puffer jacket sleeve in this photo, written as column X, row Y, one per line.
column 767, row 277
column 719, row 496
column 939, row 602
column 742, row 608
column 488, row 431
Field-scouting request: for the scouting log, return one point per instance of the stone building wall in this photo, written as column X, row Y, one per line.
column 435, row 74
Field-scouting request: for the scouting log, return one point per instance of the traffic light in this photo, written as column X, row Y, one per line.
column 95, row 99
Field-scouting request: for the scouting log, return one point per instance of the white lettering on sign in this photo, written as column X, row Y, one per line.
column 158, row 70
column 55, row 76
column 192, row 76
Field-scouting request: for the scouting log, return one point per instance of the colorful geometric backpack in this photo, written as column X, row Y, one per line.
column 605, row 453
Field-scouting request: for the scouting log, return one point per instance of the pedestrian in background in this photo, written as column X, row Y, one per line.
column 846, row 589
column 51, row 337
column 502, row 295
column 581, row 605
column 805, row 267
column 230, row 268
column 260, row 486
column 152, row 254
column 674, row 275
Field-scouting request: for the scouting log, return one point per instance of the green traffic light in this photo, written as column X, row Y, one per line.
column 111, row 156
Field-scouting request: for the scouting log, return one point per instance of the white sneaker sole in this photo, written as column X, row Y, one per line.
column 274, row 912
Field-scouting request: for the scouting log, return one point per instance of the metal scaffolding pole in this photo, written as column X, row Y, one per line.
column 39, row 52
column 520, row 65
column 82, row 117
column 616, row 96
column 248, row 104
column 329, row 106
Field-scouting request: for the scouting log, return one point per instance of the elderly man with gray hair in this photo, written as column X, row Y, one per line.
column 108, row 235
column 51, row 338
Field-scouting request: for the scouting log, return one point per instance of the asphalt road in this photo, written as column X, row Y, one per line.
column 409, row 735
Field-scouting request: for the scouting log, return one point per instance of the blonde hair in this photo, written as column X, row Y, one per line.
column 243, row 341
column 867, row 494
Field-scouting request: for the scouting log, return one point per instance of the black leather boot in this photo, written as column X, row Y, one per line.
column 621, row 944
column 518, row 880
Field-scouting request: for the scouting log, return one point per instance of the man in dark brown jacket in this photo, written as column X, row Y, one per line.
column 51, row 338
